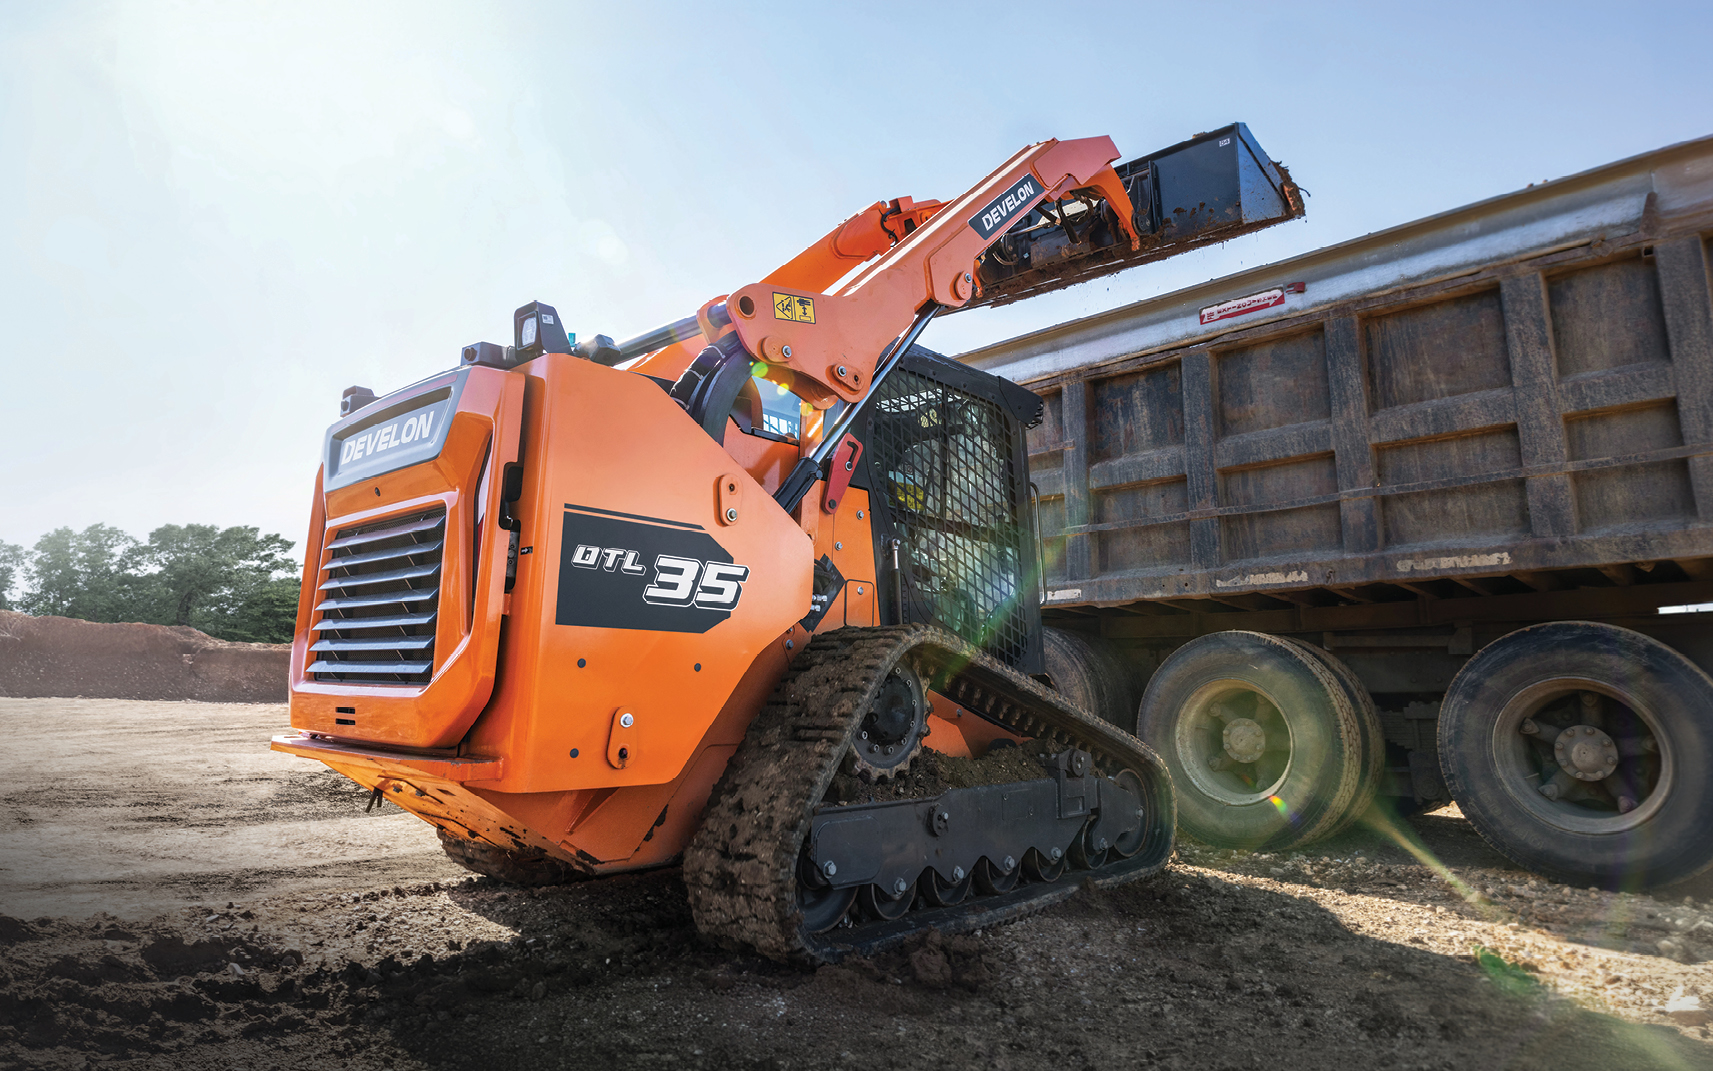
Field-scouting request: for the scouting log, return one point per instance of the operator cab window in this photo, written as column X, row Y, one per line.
column 781, row 410
column 769, row 409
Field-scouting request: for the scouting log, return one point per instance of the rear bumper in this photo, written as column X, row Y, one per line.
column 389, row 762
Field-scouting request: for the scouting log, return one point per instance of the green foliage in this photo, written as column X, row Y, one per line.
column 11, row 564
column 81, row 574
column 232, row 583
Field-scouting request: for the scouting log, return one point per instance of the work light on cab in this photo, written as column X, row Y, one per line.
column 536, row 329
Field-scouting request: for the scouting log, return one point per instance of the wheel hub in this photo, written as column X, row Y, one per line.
column 1606, row 767
column 1245, row 740
column 894, row 714
column 1586, row 753
column 890, row 734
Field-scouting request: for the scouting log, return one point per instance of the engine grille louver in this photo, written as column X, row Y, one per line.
column 378, row 601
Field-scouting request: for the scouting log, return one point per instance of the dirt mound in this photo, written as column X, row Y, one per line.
column 60, row 656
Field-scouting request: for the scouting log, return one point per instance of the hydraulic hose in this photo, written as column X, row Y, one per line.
column 808, row 469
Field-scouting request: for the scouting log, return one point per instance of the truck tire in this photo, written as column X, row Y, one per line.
column 513, row 868
column 1584, row 752
column 1265, row 746
column 1373, row 758
column 1090, row 673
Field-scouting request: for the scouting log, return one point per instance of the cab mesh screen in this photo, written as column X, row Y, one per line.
column 944, row 466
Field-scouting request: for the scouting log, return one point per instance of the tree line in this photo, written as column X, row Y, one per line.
column 232, row 583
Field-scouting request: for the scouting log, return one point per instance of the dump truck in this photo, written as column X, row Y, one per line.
column 1408, row 516
column 755, row 591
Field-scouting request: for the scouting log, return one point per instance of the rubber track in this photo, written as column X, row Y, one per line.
column 741, row 867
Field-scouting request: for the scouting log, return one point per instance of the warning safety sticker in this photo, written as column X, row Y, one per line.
column 793, row 307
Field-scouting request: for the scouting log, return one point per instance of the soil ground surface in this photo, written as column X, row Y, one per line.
column 174, row 895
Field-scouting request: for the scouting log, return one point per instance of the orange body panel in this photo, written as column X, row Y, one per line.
column 589, row 431
column 956, row 732
column 483, row 431
column 848, row 540
column 613, row 443
column 767, row 461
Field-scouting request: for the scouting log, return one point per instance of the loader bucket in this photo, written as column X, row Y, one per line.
column 1211, row 188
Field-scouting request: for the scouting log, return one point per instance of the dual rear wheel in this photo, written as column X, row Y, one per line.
column 1582, row 751
column 1271, row 743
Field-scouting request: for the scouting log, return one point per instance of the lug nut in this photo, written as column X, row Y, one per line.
column 1550, row 791
column 899, row 886
column 1529, row 727
column 1626, row 805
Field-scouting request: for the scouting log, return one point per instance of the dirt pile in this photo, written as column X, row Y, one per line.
column 61, row 656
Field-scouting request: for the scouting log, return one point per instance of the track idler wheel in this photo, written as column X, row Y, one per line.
column 1039, row 867
column 992, row 878
column 884, row 904
column 938, row 892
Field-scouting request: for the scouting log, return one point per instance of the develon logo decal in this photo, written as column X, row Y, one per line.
column 1001, row 209
column 393, row 433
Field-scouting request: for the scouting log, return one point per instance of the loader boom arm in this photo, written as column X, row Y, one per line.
column 832, row 342
column 856, row 241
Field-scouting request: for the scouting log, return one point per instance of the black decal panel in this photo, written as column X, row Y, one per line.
column 626, row 574
column 828, row 583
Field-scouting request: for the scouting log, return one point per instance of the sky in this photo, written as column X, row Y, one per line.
column 215, row 217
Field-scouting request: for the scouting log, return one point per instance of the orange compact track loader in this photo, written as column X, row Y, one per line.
column 756, row 591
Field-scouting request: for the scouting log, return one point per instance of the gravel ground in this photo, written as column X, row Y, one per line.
column 265, row 943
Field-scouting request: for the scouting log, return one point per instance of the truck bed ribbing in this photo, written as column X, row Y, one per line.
column 1467, row 405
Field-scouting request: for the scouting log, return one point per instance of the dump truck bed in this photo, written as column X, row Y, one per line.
column 1509, row 401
